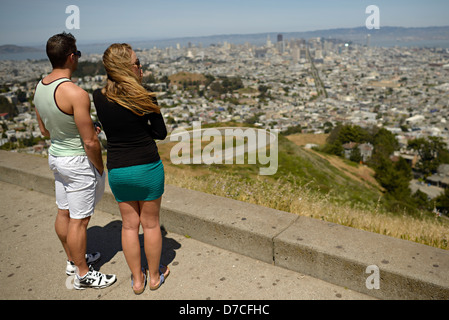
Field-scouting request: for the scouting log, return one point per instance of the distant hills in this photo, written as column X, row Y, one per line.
column 400, row 33
column 384, row 35
column 358, row 35
column 11, row 48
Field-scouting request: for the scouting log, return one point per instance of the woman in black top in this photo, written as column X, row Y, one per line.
column 132, row 120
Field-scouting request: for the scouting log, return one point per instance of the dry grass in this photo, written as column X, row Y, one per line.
column 301, row 139
column 181, row 77
column 285, row 196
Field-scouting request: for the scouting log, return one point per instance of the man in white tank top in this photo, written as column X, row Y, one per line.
column 63, row 113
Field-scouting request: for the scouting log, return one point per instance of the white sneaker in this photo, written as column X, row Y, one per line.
column 94, row 279
column 91, row 258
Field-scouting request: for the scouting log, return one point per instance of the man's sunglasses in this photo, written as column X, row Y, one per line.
column 76, row 53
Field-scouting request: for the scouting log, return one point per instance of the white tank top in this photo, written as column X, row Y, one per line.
column 65, row 137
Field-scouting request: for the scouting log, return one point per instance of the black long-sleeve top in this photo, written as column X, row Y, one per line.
column 130, row 137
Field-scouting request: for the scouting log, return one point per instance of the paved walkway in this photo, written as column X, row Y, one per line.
column 32, row 262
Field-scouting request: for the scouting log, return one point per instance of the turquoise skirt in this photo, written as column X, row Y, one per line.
column 137, row 183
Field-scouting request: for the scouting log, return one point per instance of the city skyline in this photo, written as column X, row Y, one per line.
column 25, row 22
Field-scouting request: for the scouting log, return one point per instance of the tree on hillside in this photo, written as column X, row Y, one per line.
column 232, row 84
column 404, row 169
column 328, row 126
column 356, row 155
column 385, row 143
column 394, row 178
column 350, row 133
column 432, row 152
column 442, row 202
column 342, row 134
column 209, row 79
column 421, row 201
column 217, row 89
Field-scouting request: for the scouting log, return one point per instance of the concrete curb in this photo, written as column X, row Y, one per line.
column 337, row 254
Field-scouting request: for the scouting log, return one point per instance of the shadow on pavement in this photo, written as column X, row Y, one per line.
column 108, row 241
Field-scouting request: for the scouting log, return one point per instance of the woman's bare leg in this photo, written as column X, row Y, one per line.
column 130, row 212
column 149, row 218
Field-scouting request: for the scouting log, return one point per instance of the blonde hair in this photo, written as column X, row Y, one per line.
column 123, row 86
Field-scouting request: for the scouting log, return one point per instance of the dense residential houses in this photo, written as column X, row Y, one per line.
column 314, row 84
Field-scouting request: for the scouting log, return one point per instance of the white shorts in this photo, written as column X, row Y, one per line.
column 78, row 185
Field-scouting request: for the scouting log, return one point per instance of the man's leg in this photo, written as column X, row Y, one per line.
column 76, row 241
column 62, row 227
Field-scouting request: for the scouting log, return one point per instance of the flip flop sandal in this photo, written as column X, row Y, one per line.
column 137, row 292
column 163, row 276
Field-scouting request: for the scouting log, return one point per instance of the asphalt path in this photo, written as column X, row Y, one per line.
column 32, row 263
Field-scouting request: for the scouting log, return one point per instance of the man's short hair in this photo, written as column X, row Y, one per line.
column 59, row 47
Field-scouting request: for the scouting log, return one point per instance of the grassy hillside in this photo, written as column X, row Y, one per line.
column 297, row 167
column 310, row 184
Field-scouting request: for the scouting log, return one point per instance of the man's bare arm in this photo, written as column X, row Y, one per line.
column 81, row 112
column 42, row 128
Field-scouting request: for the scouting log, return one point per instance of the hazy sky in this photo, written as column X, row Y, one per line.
column 32, row 22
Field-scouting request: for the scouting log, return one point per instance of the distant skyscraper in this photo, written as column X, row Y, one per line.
column 280, row 44
column 296, row 54
column 268, row 41
column 280, row 38
column 368, row 40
